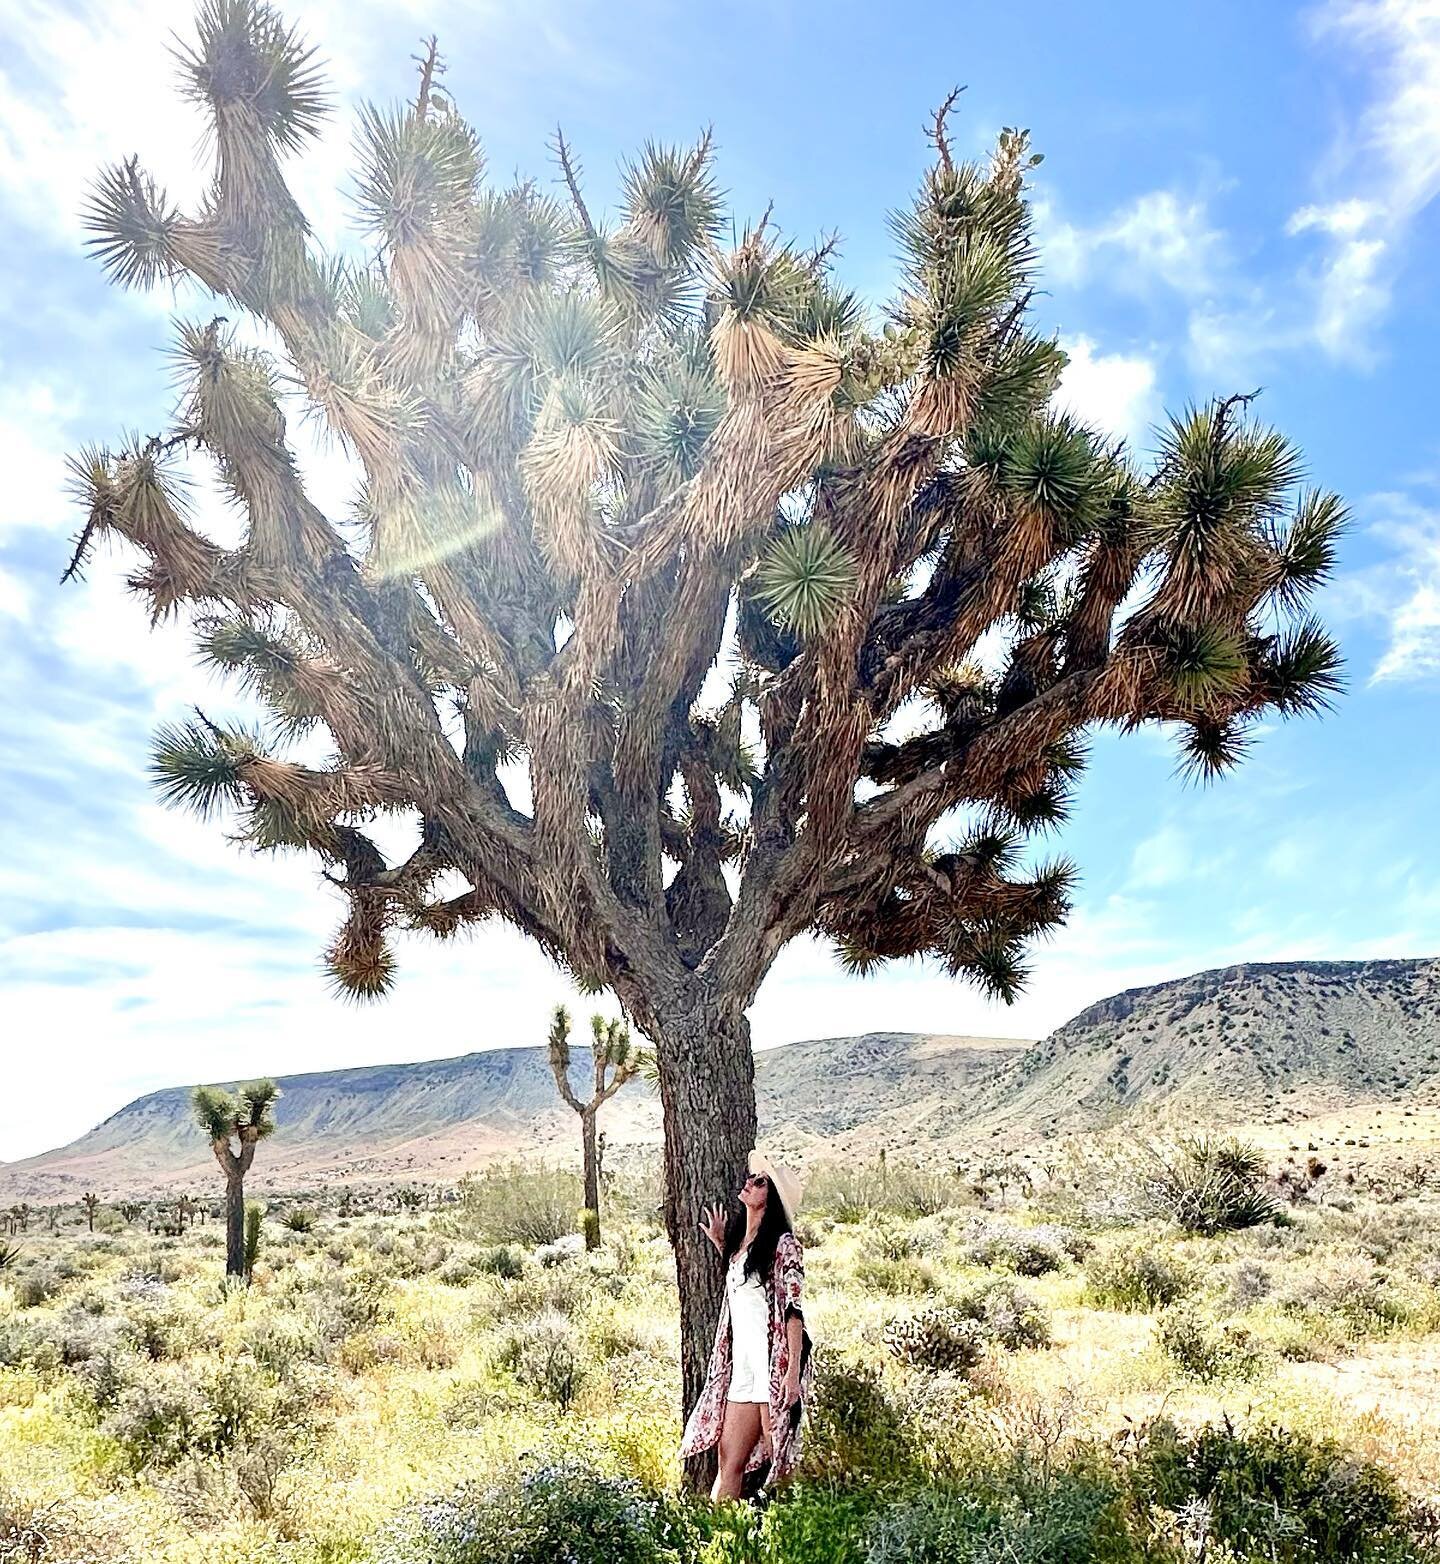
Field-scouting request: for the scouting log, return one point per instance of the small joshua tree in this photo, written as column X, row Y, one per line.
column 235, row 1124
column 91, row 1202
column 254, row 1215
column 611, row 1051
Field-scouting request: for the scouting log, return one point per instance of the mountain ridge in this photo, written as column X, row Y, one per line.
column 1261, row 1041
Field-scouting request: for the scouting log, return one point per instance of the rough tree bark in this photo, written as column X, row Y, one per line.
column 235, row 1167
column 707, row 1088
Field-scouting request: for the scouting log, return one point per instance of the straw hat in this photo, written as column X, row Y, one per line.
column 785, row 1183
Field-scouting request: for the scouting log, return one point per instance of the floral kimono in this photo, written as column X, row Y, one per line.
column 784, row 1288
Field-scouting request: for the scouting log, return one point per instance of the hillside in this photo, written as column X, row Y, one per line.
column 1255, row 1044
column 440, row 1118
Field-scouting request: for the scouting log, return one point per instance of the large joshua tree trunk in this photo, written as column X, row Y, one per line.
column 707, row 1088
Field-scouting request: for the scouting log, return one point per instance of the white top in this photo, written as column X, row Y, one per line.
column 749, row 1314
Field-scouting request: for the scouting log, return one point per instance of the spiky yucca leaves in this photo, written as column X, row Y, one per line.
column 246, row 1114
column 603, row 452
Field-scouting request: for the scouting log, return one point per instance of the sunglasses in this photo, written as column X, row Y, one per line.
column 758, row 1180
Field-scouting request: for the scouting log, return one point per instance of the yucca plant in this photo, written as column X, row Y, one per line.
column 91, row 1201
column 659, row 609
column 614, row 1060
column 236, row 1123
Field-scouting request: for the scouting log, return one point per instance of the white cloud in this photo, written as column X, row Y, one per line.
column 1392, row 155
column 1400, row 593
column 1116, row 392
column 1161, row 239
column 1162, row 858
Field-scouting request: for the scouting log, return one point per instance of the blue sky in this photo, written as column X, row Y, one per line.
column 1233, row 196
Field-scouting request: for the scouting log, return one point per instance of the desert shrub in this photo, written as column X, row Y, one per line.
column 169, row 1411
column 1006, row 1315
column 159, row 1418
column 1204, row 1350
column 538, row 1517
column 944, row 1341
column 1028, row 1251
column 856, row 1431
column 299, row 1219
column 529, row 1206
column 1270, row 1494
column 106, row 1375
column 1367, row 1299
column 49, row 1533
column 896, row 1276
column 546, row 1357
column 214, row 1490
column 1208, row 1186
column 36, row 1286
column 1063, row 1518
column 1135, row 1278
column 367, row 1350
column 569, row 1246
column 27, row 1342
column 891, row 1241
column 502, row 1260
column 1250, row 1281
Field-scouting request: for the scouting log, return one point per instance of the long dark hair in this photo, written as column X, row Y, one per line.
column 774, row 1224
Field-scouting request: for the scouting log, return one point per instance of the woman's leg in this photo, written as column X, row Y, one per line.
column 737, row 1439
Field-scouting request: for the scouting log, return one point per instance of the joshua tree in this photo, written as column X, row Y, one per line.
column 610, row 1050
column 688, row 602
column 235, row 1124
column 91, row 1202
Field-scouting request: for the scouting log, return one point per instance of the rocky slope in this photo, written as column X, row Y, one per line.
column 1261, row 1041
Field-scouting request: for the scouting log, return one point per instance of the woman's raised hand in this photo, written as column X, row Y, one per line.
column 712, row 1224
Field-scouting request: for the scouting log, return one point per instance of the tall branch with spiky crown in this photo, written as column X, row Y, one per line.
column 604, row 457
column 614, row 1061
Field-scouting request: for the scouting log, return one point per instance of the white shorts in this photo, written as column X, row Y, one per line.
column 749, row 1380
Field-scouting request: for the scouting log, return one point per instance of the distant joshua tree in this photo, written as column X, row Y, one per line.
column 235, row 1124
column 91, row 1202
column 612, row 1051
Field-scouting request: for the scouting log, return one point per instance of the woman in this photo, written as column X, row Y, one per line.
column 760, row 1369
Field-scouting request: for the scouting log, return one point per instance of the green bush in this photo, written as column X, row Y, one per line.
column 856, row 1433
column 1272, row 1495
column 896, row 1276
column 1135, row 1278
column 545, row 1356
column 1063, row 1518
column 1006, row 1315
column 546, row 1515
column 1206, row 1351
column 513, row 1205
column 1028, row 1251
